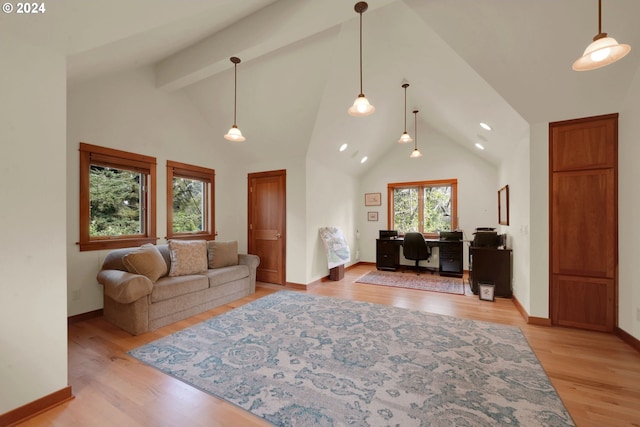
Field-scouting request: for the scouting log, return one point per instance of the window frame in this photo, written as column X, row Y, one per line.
column 118, row 159
column 199, row 173
column 420, row 185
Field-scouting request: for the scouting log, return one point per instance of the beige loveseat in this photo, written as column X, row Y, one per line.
column 151, row 286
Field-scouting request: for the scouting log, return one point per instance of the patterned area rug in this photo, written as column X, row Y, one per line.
column 409, row 279
column 302, row 360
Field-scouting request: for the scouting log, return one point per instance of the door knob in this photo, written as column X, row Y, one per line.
column 278, row 235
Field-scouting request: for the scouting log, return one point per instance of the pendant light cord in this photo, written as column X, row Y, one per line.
column 405, row 107
column 415, row 129
column 361, row 92
column 600, row 34
column 235, row 91
column 599, row 16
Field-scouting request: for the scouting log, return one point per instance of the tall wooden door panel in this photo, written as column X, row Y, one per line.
column 583, row 302
column 579, row 145
column 582, row 211
column 583, row 225
column 267, row 227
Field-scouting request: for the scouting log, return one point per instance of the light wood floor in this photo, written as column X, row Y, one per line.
column 597, row 375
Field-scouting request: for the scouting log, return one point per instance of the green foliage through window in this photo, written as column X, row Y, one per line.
column 114, row 200
column 190, row 201
column 437, row 209
column 427, row 207
column 188, row 205
column 405, row 209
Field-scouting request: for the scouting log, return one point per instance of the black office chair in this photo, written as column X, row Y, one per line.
column 415, row 248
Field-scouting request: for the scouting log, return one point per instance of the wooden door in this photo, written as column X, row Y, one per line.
column 584, row 227
column 267, row 224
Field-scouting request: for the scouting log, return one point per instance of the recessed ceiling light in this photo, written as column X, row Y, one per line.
column 343, row 147
column 364, row 159
column 485, row 126
column 480, row 146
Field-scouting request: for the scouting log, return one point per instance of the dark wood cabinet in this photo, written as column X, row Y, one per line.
column 450, row 256
column 387, row 254
column 490, row 265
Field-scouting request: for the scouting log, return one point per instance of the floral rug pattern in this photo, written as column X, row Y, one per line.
column 296, row 359
column 409, row 279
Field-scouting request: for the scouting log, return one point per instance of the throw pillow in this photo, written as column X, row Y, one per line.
column 187, row 257
column 146, row 260
column 222, row 254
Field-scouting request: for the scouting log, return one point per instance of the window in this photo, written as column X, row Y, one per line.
column 117, row 198
column 426, row 206
column 190, row 202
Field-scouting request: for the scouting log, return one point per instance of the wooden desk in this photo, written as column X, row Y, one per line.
column 450, row 255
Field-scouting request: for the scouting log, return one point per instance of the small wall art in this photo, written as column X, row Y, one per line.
column 372, row 199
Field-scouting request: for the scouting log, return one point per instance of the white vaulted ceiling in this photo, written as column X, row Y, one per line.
column 506, row 62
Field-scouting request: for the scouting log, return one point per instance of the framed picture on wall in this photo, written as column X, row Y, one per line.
column 503, row 205
column 372, row 199
column 372, row 216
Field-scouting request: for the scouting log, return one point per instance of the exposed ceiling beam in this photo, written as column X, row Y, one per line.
column 273, row 27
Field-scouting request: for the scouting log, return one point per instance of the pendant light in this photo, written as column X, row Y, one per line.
column 415, row 153
column 234, row 133
column 602, row 51
column 361, row 106
column 405, row 137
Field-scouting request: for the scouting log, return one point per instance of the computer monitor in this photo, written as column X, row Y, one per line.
column 388, row 234
column 451, row 235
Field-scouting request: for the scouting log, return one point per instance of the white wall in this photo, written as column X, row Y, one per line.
column 629, row 206
column 515, row 173
column 331, row 200
column 539, row 217
column 33, row 288
column 125, row 111
column 442, row 159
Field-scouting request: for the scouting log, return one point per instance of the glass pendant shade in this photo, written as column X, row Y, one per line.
column 415, row 153
column 361, row 107
column 602, row 51
column 234, row 134
column 405, row 138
